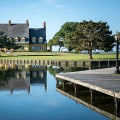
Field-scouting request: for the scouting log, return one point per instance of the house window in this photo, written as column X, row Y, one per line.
column 37, row 48
column 17, row 39
column 33, row 40
column 40, row 40
column 41, row 74
column 34, row 74
column 23, row 39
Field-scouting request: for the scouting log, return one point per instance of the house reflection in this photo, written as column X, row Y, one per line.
column 38, row 75
column 94, row 100
column 20, row 77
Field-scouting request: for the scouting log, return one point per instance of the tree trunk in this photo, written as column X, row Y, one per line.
column 90, row 50
column 59, row 49
column 90, row 54
column 50, row 48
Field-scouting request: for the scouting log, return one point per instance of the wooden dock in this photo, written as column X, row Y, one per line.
column 100, row 80
column 95, row 82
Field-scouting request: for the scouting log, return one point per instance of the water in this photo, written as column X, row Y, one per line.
column 30, row 93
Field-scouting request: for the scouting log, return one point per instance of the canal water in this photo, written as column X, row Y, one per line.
column 31, row 92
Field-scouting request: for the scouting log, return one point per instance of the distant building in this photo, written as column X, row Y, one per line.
column 30, row 39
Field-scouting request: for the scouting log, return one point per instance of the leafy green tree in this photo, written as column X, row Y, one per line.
column 5, row 76
column 50, row 44
column 57, row 41
column 2, row 39
column 7, row 42
column 95, row 35
column 10, row 44
column 86, row 35
column 62, row 37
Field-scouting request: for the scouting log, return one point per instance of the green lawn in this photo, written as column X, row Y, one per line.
column 53, row 56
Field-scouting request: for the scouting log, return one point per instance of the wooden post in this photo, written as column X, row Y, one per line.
column 59, row 63
column 64, row 84
column 90, row 65
column 57, row 82
column 83, row 63
column 75, row 89
column 91, row 96
column 115, row 101
column 108, row 63
column 31, row 61
column 75, row 63
column 39, row 62
column 66, row 63
column 99, row 65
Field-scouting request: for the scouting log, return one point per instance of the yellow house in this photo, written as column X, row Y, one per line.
column 30, row 39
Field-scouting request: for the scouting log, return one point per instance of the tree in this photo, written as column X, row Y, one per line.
column 2, row 39
column 50, row 44
column 96, row 35
column 62, row 37
column 7, row 42
column 92, row 35
column 10, row 44
column 86, row 35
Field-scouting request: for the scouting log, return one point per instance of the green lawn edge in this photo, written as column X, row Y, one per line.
column 54, row 56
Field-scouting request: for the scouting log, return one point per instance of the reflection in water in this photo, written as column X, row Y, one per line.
column 99, row 102
column 53, row 69
column 39, row 104
column 38, row 74
column 16, row 77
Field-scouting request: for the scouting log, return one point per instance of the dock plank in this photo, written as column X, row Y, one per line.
column 105, row 83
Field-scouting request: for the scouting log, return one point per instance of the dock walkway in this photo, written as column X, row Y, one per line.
column 101, row 80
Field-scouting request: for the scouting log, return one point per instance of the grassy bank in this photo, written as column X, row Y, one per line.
column 53, row 56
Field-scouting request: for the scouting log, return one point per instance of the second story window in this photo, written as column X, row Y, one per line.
column 17, row 39
column 23, row 39
column 33, row 40
column 40, row 40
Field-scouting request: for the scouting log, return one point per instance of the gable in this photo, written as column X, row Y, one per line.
column 37, row 33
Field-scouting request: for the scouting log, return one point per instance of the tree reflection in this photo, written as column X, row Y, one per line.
column 53, row 69
column 73, row 69
column 5, row 75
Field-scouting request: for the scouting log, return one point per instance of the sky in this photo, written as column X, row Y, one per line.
column 57, row 12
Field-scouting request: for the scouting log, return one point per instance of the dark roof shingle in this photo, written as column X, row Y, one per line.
column 38, row 32
column 15, row 30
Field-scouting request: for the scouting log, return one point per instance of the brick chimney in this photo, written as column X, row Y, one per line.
column 44, row 25
column 27, row 23
column 9, row 22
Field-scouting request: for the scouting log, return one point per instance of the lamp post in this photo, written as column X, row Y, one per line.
column 117, row 38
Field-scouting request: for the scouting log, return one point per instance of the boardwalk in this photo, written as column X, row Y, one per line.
column 101, row 80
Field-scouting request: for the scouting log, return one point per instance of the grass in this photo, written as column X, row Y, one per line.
column 54, row 56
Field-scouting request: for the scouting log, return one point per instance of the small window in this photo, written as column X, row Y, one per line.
column 16, row 39
column 23, row 39
column 40, row 40
column 34, row 74
column 33, row 40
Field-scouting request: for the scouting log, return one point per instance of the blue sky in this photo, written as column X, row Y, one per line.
column 57, row 12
